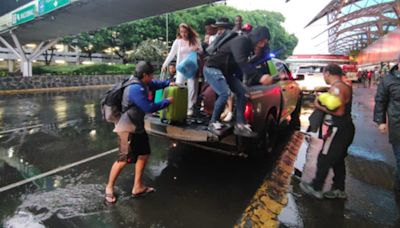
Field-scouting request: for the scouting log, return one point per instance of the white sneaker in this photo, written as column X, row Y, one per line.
column 190, row 113
column 228, row 117
column 215, row 127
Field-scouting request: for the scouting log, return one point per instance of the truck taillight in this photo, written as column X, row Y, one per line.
column 248, row 112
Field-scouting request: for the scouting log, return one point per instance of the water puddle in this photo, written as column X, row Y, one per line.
column 64, row 203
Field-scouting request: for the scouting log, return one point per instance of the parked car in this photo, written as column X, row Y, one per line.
column 313, row 79
column 266, row 108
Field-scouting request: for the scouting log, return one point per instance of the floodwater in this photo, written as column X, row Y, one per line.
column 46, row 134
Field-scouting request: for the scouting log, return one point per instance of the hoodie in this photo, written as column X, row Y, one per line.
column 234, row 54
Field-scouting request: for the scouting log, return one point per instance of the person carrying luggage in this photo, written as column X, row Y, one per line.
column 219, row 73
column 134, row 144
column 337, row 132
column 187, row 40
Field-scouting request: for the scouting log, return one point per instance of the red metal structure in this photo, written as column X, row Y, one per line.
column 386, row 49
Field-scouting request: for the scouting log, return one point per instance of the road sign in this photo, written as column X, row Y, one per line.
column 46, row 6
column 24, row 15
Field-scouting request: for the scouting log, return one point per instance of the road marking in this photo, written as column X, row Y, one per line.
column 271, row 197
column 51, row 172
column 20, row 128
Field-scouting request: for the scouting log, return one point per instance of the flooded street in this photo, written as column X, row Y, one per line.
column 60, row 143
column 56, row 152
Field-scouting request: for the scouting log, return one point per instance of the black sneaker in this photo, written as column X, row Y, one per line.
column 244, row 130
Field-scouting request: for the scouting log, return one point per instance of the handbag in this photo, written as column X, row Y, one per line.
column 188, row 67
column 307, row 158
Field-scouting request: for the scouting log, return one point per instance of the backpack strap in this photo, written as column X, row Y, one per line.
column 129, row 82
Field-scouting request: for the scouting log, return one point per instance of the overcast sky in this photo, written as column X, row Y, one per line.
column 297, row 13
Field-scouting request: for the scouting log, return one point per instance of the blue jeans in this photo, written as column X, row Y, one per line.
column 396, row 151
column 222, row 86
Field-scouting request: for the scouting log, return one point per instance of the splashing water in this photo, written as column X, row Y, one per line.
column 68, row 202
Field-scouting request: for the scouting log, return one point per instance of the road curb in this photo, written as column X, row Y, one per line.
column 271, row 196
column 56, row 89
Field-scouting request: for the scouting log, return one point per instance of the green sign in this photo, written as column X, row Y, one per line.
column 24, row 15
column 46, row 6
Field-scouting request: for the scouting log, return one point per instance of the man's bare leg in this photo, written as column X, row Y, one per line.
column 117, row 167
column 138, row 185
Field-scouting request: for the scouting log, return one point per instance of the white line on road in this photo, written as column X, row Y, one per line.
column 51, row 172
column 20, row 128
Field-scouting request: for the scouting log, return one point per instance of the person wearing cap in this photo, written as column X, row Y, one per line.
column 134, row 144
column 338, row 136
column 219, row 73
column 223, row 24
column 387, row 110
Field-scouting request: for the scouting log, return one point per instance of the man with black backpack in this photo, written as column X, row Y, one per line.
column 219, row 70
column 134, row 144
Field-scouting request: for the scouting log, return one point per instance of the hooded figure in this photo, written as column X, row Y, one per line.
column 387, row 110
column 233, row 56
column 220, row 69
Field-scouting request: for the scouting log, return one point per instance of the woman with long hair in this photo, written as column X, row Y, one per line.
column 187, row 40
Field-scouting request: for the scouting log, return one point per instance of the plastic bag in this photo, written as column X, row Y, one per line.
column 188, row 67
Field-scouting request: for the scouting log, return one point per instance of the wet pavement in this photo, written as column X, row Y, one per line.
column 42, row 133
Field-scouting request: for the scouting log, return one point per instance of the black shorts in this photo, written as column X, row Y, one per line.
column 138, row 145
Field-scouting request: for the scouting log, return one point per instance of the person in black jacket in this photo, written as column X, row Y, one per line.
column 219, row 73
column 387, row 102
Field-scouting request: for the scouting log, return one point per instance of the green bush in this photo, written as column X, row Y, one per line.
column 3, row 73
column 95, row 69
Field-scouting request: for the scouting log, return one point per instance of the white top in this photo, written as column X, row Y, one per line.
column 180, row 48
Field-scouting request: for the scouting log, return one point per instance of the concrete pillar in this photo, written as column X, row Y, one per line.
column 10, row 64
column 26, row 68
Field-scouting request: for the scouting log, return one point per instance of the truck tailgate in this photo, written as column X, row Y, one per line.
column 186, row 131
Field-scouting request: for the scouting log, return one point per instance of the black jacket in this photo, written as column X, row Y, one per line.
column 234, row 56
column 387, row 101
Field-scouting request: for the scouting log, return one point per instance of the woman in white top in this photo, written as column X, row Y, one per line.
column 187, row 40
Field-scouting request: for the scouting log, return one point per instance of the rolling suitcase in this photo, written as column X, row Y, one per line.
column 175, row 112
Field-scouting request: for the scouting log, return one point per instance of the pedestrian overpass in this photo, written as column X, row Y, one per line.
column 47, row 21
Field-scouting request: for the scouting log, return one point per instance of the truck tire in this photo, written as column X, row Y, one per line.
column 270, row 133
column 264, row 144
column 295, row 116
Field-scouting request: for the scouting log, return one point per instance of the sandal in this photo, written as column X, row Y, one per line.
column 110, row 196
column 145, row 192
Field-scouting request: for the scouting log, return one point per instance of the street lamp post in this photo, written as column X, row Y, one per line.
column 166, row 27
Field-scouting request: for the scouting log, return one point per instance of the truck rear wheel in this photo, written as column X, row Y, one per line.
column 295, row 116
column 270, row 133
column 265, row 142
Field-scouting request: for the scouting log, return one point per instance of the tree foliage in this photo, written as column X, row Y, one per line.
column 126, row 37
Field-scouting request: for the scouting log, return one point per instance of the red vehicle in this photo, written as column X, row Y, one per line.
column 350, row 70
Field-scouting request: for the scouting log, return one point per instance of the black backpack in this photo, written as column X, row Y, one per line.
column 111, row 101
column 219, row 41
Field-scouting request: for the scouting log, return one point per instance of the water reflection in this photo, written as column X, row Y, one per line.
column 60, row 108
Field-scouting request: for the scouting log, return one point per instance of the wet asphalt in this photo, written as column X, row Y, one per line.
column 195, row 188
column 45, row 132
